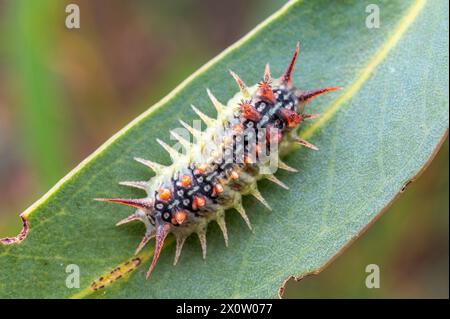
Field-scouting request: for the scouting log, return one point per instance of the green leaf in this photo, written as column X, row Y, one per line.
column 374, row 137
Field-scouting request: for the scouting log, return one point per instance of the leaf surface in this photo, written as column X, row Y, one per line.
column 374, row 137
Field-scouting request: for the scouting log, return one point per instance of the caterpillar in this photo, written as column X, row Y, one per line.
column 115, row 274
column 237, row 149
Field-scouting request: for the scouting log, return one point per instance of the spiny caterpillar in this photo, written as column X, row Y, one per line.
column 259, row 122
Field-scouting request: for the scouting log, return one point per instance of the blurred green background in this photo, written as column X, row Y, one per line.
column 64, row 92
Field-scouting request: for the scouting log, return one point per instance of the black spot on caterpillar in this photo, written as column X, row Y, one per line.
column 241, row 146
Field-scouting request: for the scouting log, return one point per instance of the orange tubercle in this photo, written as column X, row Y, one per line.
column 218, row 188
column 248, row 159
column 198, row 202
column 180, row 216
column 249, row 112
column 201, row 169
column 291, row 117
column 165, row 194
column 186, row 181
column 234, row 175
column 265, row 92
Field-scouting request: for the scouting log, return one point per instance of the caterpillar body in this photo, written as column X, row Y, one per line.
column 201, row 185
